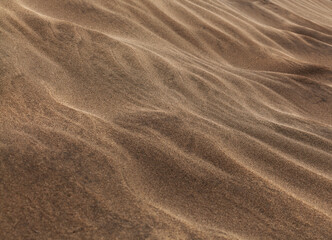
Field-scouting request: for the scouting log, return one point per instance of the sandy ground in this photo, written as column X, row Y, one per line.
column 166, row 119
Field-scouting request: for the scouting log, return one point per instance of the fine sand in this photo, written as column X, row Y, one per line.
column 166, row 119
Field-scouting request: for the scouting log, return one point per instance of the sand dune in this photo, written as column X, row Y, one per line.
column 155, row 119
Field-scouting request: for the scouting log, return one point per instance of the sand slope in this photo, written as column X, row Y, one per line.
column 155, row 119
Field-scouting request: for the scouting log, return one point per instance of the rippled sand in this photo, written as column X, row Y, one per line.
column 166, row 119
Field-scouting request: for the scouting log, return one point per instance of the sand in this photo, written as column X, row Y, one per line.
column 166, row 119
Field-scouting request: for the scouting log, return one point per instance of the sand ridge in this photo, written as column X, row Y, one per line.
column 184, row 119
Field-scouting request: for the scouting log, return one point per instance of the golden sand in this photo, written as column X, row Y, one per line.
column 166, row 119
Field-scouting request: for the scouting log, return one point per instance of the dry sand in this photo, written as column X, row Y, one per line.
column 166, row 119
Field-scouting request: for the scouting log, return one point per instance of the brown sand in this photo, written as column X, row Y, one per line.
column 166, row 119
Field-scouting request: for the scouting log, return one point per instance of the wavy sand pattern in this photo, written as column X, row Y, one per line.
column 166, row 119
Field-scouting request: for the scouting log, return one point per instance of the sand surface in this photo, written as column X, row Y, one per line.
column 166, row 119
